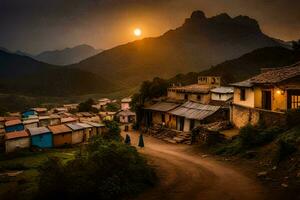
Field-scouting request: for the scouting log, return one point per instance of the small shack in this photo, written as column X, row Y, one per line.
column 40, row 137
column 66, row 120
column 126, row 116
column 87, row 131
column 54, row 119
column 77, row 133
column 16, row 140
column 28, row 113
column 62, row 135
column 31, row 123
column 44, row 120
column 97, row 129
column 14, row 125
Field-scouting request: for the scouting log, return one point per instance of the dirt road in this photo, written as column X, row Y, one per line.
column 187, row 175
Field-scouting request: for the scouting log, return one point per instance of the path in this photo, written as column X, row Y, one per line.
column 185, row 174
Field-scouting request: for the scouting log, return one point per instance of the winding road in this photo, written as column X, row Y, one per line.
column 187, row 175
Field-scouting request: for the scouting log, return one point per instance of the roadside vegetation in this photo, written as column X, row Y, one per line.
column 106, row 168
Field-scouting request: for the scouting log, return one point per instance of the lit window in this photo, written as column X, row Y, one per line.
column 295, row 101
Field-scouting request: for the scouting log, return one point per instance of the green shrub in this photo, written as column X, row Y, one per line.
column 106, row 170
column 284, row 149
column 252, row 136
column 113, row 132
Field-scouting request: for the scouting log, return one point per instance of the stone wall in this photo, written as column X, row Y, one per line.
column 241, row 116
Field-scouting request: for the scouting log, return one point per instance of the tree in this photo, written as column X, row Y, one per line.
column 141, row 141
column 112, row 107
column 87, row 106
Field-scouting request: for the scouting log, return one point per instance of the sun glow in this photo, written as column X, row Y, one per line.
column 137, row 32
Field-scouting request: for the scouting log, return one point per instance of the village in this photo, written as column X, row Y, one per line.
column 206, row 106
column 207, row 112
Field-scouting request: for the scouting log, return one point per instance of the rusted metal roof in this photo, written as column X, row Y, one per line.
column 192, row 110
column 16, row 134
column 162, row 106
column 39, row 110
column 46, row 117
column 61, row 128
column 38, row 130
column 13, row 122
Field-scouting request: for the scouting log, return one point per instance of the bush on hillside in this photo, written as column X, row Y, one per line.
column 106, row 170
column 293, row 117
column 113, row 132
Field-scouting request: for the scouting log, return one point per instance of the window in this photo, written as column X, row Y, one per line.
column 199, row 97
column 220, row 96
column 242, row 94
column 295, row 101
column 186, row 96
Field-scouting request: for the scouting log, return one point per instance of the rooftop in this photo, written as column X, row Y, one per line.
column 192, row 110
column 84, row 125
column 68, row 119
column 16, row 134
column 75, row 126
column 30, row 121
column 126, row 100
column 61, row 128
column 126, row 113
column 162, row 106
column 38, row 130
column 222, row 90
column 13, row 122
column 94, row 124
column 194, row 88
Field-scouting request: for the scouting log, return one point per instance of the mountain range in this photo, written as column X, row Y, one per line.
column 65, row 56
column 197, row 45
column 24, row 75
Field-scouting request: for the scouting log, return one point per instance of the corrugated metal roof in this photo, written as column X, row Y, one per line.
column 84, row 125
column 94, row 124
column 75, row 126
column 222, row 90
column 13, row 122
column 162, row 106
column 192, row 110
column 16, row 134
column 39, row 109
column 61, row 128
column 38, row 130
column 44, row 117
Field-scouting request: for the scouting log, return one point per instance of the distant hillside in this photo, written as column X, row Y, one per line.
column 67, row 56
column 24, row 75
column 199, row 43
column 251, row 63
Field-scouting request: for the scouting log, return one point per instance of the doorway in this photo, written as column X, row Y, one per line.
column 266, row 100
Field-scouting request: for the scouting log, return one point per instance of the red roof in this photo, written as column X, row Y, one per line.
column 13, row 122
column 16, row 134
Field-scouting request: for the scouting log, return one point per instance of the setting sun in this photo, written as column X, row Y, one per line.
column 137, row 32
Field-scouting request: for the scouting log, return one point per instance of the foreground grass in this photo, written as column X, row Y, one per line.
column 24, row 185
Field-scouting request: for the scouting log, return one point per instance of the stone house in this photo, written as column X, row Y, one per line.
column 267, row 96
column 199, row 92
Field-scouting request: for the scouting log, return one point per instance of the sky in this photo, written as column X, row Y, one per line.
column 38, row 25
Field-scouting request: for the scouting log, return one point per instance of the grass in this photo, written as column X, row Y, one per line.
column 24, row 185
